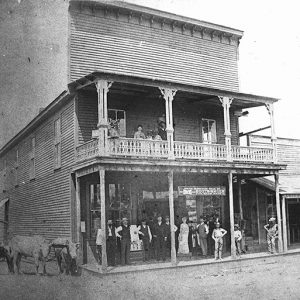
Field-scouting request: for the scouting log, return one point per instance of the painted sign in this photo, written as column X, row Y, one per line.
column 202, row 190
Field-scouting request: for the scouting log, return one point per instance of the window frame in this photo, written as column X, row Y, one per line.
column 116, row 110
column 213, row 140
column 57, row 143
column 32, row 162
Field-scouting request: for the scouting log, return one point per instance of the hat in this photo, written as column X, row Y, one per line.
column 236, row 225
column 124, row 219
column 109, row 221
column 272, row 219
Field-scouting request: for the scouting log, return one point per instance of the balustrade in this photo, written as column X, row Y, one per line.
column 130, row 147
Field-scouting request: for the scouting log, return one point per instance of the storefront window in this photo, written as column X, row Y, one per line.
column 95, row 209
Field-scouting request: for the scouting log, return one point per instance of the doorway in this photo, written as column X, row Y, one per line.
column 294, row 221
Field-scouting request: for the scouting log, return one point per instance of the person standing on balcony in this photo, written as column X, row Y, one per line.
column 123, row 232
column 162, row 130
column 139, row 134
column 272, row 234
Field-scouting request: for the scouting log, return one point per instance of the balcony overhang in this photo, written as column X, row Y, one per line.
column 241, row 100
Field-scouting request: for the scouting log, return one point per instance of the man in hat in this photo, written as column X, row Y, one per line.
column 162, row 130
column 217, row 235
column 146, row 236
column 237, row 239
column 272, row 233
column 160, row 239
column 168, row 232
column 111, row 243
column 123, row 232
column 202, row 233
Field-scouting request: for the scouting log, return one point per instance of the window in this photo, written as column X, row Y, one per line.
column 209, row 131
column 57, row 144
column 4, row 175
column 117, row 122
column 32, row 159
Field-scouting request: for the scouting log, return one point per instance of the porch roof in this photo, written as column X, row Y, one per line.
column 288, row 185
column 241, row 100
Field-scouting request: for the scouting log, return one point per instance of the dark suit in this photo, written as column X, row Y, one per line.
column 111, row 245
column 160, row 239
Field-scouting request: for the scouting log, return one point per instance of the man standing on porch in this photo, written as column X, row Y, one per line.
column 111, row 243
column 160, row 239
column 203, row 232
column 123, row 232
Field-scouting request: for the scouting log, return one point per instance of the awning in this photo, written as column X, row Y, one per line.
column 3, row 201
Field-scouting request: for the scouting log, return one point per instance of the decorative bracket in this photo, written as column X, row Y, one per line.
column 168, row 94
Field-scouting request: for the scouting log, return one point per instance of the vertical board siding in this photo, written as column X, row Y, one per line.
column 146, row 111
column 105, row 44
column 43, row 205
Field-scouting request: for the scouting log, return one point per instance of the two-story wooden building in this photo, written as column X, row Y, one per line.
column 78, row 164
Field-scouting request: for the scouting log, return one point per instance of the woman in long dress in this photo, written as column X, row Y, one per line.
column 183, row 237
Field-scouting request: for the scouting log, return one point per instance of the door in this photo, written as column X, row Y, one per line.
column 294, row 222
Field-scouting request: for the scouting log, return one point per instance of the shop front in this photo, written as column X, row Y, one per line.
column 141, row 196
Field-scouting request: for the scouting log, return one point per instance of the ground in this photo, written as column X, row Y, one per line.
column 275, row 278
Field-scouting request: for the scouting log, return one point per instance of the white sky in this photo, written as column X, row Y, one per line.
column 269, row 51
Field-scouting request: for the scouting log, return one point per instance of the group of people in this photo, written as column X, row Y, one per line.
column 159, row 134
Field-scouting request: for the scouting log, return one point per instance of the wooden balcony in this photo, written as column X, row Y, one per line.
column 155, row 149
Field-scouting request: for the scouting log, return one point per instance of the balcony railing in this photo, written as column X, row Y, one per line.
column 129, row 147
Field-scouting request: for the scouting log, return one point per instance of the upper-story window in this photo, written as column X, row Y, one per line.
column 32, row 159
column 117, row 122
column 209, row 134
column 57, row 143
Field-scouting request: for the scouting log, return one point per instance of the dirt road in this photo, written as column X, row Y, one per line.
column 273, row 280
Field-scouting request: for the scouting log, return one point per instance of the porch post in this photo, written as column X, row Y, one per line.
column 171, row 207
column 169, row 95
column 278, row 212
column 240, row 198
column 226, row 102
column 284, row 228
column 102, row 90
column 231, row 215
column 103, row 217
column 78, row 229
column 270, row 108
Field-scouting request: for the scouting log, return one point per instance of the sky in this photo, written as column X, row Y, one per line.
column 269, row 53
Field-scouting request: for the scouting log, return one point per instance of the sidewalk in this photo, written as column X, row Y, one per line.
column 208, row 265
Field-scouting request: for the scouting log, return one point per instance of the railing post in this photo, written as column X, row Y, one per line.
column 168, row 95
column 102, row 90
column 226, row 102
column 270, row 108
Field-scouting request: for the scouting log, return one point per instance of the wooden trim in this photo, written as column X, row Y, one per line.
column 240, row 198
column 231, row 214
column 103, row 218
column 284, row 227
column 172, row 224
column 278, row 213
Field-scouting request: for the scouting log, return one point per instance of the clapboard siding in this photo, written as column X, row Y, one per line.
column 43, row 205
column 145, row 111
column 288, row 152
column 98, row 43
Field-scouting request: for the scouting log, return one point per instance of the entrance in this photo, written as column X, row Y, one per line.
column 294, row 221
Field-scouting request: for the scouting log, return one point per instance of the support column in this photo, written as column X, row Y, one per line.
column 240, row 198
column 270, row 108
column 231, row 215
column 284, row 227
column 102, row 90
column 226, row 102
column 172, row 221
column 103, row 218
column 78, row 219
column 278, row 213
column 169, row 95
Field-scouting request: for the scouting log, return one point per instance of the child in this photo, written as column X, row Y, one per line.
column 238, row 239
column 272, row 232
column 217, row 235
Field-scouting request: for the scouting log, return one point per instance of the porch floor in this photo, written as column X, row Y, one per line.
column 211, row 263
